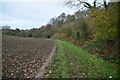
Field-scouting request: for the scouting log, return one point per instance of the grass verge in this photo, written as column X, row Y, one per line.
column 73, row 62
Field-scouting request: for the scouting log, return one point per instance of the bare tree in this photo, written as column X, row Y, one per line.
column 78, row 3
column 86, row 4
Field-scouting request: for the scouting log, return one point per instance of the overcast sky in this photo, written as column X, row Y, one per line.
column 27, row 14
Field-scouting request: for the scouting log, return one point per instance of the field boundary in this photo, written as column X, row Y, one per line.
column 42, row 70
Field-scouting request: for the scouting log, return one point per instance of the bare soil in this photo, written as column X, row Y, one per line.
column 22, row 57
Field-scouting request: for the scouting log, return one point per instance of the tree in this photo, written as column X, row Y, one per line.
column 78, row 3
column 80, row 15
column 85, row 3
column 104, row 27
column 6, row 27
column 61, row 18
column 52, row 21
column 70, row 18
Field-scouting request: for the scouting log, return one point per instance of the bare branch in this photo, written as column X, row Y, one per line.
column 72, row 3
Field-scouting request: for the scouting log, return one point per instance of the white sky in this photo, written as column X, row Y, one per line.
column 26, row 15
column 31, row 0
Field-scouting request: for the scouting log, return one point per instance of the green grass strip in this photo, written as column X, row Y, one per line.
column 71, row 61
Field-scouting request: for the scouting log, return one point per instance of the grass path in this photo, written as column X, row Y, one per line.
column 73, row 62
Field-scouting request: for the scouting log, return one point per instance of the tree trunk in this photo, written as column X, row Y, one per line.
column 105, row 4
column 95, row 3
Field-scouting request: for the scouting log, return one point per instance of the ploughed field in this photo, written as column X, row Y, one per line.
column 22, row 57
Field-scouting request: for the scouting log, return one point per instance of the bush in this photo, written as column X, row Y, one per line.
column 59, row 36
column 105, row 34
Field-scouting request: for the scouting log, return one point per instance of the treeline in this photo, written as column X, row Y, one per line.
column 94, row 29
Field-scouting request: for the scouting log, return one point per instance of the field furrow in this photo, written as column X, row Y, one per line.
column 22, row 57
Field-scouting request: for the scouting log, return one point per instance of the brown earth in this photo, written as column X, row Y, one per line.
column 22, row 57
